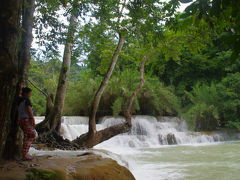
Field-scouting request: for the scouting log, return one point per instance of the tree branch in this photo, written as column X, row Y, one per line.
column 34, row 85
column 128, row 113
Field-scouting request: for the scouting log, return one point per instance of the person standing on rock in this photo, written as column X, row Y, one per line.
column 26, row 121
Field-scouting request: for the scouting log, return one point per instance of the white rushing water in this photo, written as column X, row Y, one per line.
column 147, row 131
column 156, row 148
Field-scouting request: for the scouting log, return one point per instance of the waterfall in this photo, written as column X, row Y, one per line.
column 147, row 131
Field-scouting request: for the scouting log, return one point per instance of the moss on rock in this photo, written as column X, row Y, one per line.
column 40, row 174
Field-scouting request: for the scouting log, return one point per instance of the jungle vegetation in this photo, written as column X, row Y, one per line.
column 120, row 57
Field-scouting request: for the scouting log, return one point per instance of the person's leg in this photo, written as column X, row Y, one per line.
column 27, row 143
column 23, row 124
column 29, row 136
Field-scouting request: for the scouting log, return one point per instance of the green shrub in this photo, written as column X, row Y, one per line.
column 229, row 91
column 203, row 114
column 215, row 105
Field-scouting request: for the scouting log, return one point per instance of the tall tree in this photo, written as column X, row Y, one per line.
column 9, row 36
column 14, row 141
column 56, row 114
column 26, row 39
column 97, row 97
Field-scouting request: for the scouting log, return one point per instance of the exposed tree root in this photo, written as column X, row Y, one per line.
column 53, row 140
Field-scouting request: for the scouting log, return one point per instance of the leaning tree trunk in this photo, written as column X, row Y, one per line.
column 128, row 113
column 9, row 34
column 87, row 140
column 56, row 114
column 93, row 137
column 14, row 141
column 98, row 95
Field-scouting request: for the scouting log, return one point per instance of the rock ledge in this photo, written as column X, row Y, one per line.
column 86, row 166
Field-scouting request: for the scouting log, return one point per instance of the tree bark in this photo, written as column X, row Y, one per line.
column 9, row 34
column 86, row 141
column 128, row 113
column 26, row 40
column 98, row 95
column 14, row 140
column 44, row 126
column 56, row 115
column 93, row 137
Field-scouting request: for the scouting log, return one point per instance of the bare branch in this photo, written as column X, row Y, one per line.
column 34, row 85
column 128, row 113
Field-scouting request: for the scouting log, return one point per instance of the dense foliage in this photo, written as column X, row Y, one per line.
column 215, row 105
column 154, row 98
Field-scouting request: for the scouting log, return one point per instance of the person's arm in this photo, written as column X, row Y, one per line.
column 31, row 117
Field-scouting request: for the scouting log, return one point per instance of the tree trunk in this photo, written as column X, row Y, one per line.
column 98, row 95
column 14, row 140
column 44, row 126
column 13, row 147
column 128, row 113
column 56, row 115
column 86, row 141
column 26, row 40
column 9, row 34
column 93, row 137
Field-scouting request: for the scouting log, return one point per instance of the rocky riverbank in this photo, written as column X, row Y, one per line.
column 85, row 166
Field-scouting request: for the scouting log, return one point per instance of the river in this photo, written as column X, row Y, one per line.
column 148, row 155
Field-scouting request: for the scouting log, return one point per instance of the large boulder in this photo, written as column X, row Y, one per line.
column 171, row 139
column 87, row 166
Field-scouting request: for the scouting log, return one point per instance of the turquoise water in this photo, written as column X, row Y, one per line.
column 198, row 162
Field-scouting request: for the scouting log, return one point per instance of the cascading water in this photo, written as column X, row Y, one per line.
column 147, row 131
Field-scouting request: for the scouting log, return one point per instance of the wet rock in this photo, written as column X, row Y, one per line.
column 171, row 139
column 89, row 167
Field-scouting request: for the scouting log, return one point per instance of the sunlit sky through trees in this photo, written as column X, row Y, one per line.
column 64, row 20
